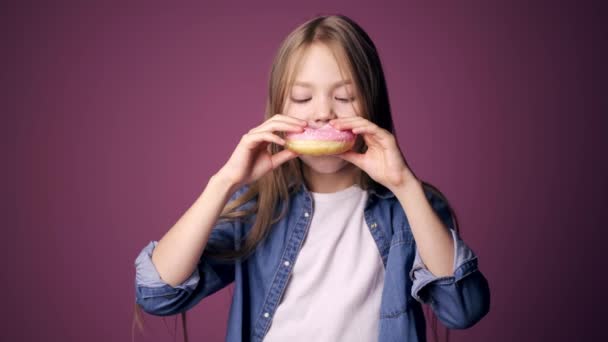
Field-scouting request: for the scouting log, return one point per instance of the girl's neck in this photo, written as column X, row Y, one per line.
column 331, row 182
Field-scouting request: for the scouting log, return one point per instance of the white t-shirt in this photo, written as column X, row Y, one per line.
column 336, row 285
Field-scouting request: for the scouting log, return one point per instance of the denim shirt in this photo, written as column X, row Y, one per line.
column 459, row 300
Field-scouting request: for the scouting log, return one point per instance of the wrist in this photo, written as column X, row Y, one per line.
column 408, row 190
column 408, row 181
column 219, row 186
column 225, row 180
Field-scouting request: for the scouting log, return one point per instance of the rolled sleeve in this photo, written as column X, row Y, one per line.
column 465, row 262
column 146, row 274
column 157, row 297
column 460, row 300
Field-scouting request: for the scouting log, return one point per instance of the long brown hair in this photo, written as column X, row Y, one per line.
column 357, row 57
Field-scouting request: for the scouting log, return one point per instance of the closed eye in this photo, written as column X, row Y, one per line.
column 337, row 98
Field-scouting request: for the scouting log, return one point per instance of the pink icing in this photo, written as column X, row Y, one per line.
column 325, row 132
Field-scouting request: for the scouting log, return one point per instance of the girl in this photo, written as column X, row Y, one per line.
column 326, row 248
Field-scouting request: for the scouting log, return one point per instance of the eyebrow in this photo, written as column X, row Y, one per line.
column 335, row 85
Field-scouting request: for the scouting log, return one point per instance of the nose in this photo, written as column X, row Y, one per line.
column 323, row 113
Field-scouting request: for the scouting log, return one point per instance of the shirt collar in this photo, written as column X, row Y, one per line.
column 376, row 189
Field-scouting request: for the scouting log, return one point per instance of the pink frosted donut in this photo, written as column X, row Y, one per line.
column 325, row 140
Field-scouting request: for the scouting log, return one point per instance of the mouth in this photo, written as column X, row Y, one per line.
column 322, row 141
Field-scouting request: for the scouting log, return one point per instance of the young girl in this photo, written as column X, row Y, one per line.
column 320, row 248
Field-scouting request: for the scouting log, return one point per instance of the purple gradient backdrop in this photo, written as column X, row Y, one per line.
column 123, row 112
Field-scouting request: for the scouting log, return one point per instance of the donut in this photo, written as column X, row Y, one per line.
column 321, row 141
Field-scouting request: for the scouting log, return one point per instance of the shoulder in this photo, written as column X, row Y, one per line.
column 244, row 197
column 391, row 207
column 388, row 208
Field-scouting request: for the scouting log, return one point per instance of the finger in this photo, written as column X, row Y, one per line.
column 372, row 129
column 281, row 157
column 350, row 123
column 348, row 119
column 253, row 140
column 381, row 135
column 360, row 125
column 275, row 125
column 370, row 132
column 287, row 118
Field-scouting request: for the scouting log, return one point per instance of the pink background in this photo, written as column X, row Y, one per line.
column 122, row 112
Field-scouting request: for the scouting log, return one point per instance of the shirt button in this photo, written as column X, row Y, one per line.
column 266, row 314
column 306, row 214
column 374, row 225
column 286, row 263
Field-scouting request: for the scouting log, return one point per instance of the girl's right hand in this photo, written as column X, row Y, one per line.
column 251, row 158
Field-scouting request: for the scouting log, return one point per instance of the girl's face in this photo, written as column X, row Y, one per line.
column 320, row 94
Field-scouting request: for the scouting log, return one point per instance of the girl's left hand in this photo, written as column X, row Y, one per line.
column 383, row 161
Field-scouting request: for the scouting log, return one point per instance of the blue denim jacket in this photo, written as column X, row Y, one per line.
column 459, row 300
